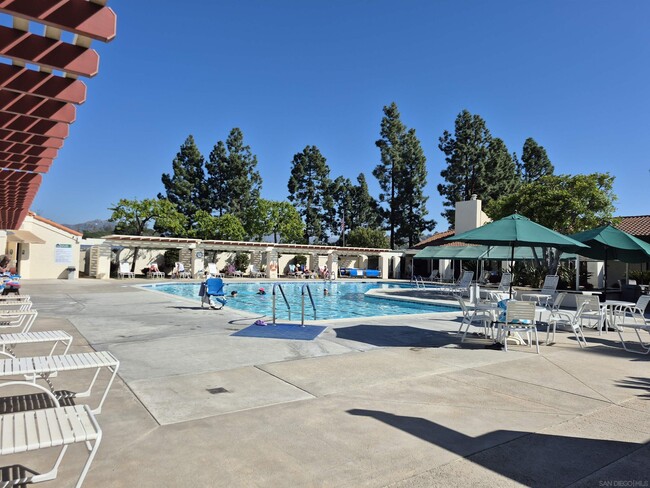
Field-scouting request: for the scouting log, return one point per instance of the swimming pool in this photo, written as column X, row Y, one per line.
column 345, row 299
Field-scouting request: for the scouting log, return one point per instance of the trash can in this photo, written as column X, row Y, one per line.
column 71, row 271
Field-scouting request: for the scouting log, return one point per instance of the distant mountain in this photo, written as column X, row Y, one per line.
column 93, row 226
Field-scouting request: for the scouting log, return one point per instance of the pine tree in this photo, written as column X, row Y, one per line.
column 402, row 176
column 364, row 211
column 309, row 190
column 233, row 179
column 186, row 188
column 501, row 166
column 534, row 161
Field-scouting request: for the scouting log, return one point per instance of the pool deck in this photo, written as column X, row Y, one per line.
column 372, row 402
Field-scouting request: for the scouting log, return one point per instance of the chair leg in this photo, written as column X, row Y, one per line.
column 536, row 339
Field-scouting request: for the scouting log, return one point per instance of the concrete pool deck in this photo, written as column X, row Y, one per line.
column 386, row 401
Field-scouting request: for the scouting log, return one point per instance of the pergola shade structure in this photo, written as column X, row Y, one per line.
column 38, row 103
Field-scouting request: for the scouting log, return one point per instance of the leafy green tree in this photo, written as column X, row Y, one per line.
column 233, row 179
column 564, row 203
column 280, row 219
column 187, row 187
column 342, row 195
column 309, row 189
column 534, row 161
column 402, row 176
column 136, row 217
column 226, row 227
column 367, row 237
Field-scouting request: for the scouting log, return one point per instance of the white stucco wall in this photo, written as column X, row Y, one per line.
column 49, row 260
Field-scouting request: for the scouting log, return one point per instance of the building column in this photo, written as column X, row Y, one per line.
column 384, row 262
column 271, row 258
column 197, row 260
column 100, row 262
column 397, row 267
column 333, row 264
column 362, row 261
column 313, row 262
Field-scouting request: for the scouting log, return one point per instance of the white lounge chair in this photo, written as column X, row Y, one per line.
column 256, row 273
column 179, row 271
column 484, row 317
column 459, row 289
column 154, row 271
column 125, row 271
column 46, row 366
column 213, row 271
column 13, row 305
column 51, row 427
column 17, row 320
column 9, row 341
column 590, row 311
column 233, row 272
column 546, row 293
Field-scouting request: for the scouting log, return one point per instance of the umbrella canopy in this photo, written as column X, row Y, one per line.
column 484, row 253
column 611, row 243
column 517, row 231
column 608, row 242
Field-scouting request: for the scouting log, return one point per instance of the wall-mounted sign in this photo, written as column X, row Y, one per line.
column 199, row 254
column 63, row 254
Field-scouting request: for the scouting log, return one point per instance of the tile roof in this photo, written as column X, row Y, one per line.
column 431, row 241
column 638, row 226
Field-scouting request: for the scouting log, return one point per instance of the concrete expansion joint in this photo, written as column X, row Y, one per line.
column 260, row 368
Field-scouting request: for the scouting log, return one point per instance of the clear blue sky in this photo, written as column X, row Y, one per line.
column 574, row 75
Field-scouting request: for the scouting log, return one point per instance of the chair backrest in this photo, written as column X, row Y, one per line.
column 520, row 311
column 550, row 284
column 591, row 303
column 125, row 268
column 466, row 279
column 642, row 304
column 504, row 284
column 214, row 286
column 463, row 306
column 433, row 275
column 557, row 303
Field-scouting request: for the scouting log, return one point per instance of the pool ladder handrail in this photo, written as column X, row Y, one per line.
column 418, row 280
column 279, row 286
column 311, row 298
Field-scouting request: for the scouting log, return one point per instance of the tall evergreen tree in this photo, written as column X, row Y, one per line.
column 309, row 190
column 534, row 161
column 412, row 201
column 501, row 166
column 466, row 153
column 402, row 176
column 341, row 191
column 364, row 211
column 233, row 179
column 186, row 188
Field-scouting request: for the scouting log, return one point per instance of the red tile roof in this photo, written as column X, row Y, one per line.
column 432, row 241
column 638, row 226
column 56, row 225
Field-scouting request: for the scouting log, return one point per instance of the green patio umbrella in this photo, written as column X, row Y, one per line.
column 608, row 242
column 517, row 231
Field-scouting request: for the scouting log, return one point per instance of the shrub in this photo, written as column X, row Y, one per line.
column 242, row 260
column 171, row 257
column 300, row 259
column 641, row 277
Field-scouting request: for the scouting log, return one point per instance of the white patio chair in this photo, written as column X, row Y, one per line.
column 520, row 317
column 591, row 311
column 125, row 271
column 484, row 319
column 179, row 271
column 634, row 318
column 565, row 319
column 154, row 271
column 17, row 320
column 459, row 289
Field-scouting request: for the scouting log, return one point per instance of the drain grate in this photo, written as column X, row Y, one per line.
column 214, row 391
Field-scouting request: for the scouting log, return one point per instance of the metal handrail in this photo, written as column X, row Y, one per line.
column 279, row 286
column 311, row 298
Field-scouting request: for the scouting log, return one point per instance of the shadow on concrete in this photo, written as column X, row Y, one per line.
column 532, row 459
column 637, row 383
column 400, row 336
column 612, row 347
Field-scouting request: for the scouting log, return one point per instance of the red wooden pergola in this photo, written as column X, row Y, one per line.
column 40, row 88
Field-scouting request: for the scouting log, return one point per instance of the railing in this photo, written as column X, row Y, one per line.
column 311, row 299
column 279, row 287
column 418, row 280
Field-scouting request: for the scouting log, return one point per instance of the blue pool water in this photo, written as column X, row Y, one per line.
column 345, row 299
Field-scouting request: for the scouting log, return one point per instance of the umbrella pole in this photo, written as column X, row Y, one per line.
column 605, row 274
column 512, row 266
